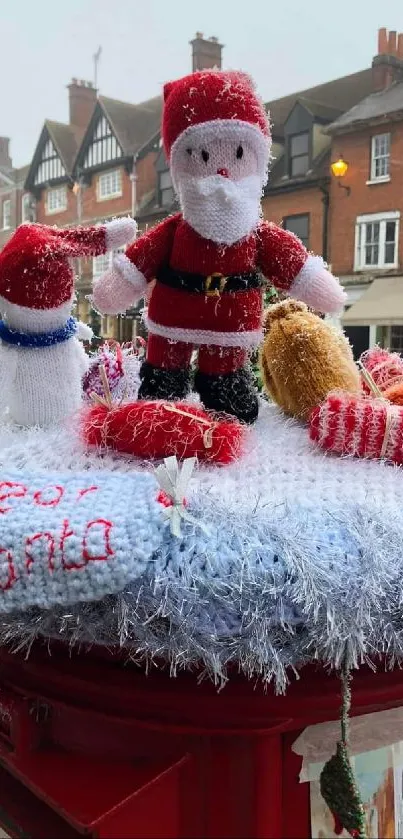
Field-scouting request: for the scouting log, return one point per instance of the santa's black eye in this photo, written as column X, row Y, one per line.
column 239, row 152
column 189, row 151
column 205, row 155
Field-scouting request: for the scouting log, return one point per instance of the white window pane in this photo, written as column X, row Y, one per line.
column 56, row 200
column 396, row 339
column 100, row 264
column 110, row 184
column 390, row 249
column 377, row 243
column 6, row 214
column 299, row 144
column 380, row 156
column 390, row 231
column 165, row 180
column 26, row 208
column 300, row 165
column 299, row 225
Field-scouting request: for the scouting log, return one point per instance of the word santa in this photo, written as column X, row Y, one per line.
column 211, row 261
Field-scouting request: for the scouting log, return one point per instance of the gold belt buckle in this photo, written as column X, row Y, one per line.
column 215, row 292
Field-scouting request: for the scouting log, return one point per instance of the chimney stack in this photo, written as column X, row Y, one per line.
column 387, row 66
column 5, row 159
column 82, row 100
column 206, row 52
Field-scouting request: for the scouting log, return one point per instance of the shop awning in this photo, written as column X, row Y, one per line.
column 381, row 304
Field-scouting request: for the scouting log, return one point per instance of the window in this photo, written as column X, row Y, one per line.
column 56, row 200
column 165, row 189
column 50, row 166
column 380, row 157
column 298, row 154
column 298, row 225
column 396, row 339
column 377, row 241
column 102, row 263
column 26, row 208
column 6, row 214
column 109, row 185
column 104, row 146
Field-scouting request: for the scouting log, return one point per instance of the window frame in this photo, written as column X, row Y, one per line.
column 299, row 216
column 374, row 218
column 306, row 154
column 107, row 262
column 25, row 210
column 61, row 208
column 162, row 189
column 392, row 345
column 374, row 178
column 6, row 203
column 102, row 177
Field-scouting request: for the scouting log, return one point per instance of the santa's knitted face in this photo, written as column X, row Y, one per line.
column 218, row 163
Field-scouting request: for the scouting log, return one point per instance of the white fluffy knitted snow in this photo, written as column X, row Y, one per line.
column 280, row 466
column 301, row 560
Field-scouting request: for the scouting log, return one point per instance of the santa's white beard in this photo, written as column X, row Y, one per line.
column 220, row 209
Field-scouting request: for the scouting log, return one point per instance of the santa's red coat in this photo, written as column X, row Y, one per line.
column 232, row 319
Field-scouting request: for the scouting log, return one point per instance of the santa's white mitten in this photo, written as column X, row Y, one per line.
column 318, row 288
column 118, row 289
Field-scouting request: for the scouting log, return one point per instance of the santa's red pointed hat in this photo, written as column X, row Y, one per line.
column 35, row 267
column 211, row 104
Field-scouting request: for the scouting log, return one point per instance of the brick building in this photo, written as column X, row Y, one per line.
column 16, row 204
column 108, row 160
column 366, row 245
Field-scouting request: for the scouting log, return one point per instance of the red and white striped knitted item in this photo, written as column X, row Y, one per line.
column 386, row 368
column 363, row 427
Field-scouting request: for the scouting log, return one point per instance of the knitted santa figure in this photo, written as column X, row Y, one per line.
column 41, row 360
column 211, row 260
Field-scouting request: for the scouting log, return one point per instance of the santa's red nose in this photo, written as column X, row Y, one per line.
column 223, row 172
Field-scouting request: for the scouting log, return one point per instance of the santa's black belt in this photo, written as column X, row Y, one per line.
column 214, row 284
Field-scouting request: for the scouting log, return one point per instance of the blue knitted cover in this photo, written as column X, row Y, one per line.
column 301, row 556
column 73, row 537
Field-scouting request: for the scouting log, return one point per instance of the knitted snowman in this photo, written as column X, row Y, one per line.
column 212, row 260
column 41, row 360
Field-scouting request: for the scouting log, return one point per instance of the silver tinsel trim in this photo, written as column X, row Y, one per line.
column 280, row 591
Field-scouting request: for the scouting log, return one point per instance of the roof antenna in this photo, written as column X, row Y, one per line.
column 96, row 58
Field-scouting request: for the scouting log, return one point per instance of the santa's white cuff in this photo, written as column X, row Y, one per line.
column 129, row 272
column 119, row 232
column 317, row 287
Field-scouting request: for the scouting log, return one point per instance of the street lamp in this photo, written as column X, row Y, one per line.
column 339, row 170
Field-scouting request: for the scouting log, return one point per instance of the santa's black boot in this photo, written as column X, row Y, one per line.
column 230, row 393
column 157, row 383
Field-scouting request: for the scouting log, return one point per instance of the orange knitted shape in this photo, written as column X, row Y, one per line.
column 303, row 359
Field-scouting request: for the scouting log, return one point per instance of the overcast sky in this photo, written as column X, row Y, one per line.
column 285, row 45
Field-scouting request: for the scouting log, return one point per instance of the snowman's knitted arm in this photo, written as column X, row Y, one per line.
column 284, row 260
column 96, row 240
column 125, row 284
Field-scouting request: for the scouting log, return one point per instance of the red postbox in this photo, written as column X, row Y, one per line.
column 92, row 746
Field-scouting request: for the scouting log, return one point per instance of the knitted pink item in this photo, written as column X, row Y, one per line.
column 386, row 368
column 113, row 365
column 363, row 427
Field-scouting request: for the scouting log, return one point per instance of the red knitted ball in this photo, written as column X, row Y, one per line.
column 159, row 429
column 210, row 95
